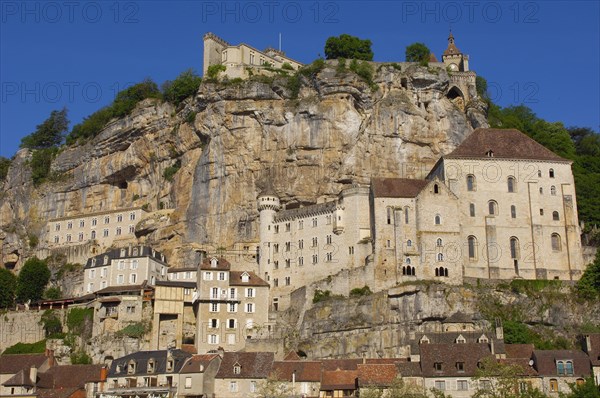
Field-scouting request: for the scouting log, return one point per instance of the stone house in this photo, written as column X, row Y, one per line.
column 131, row 265
column 197, row 376
column 300, row 377
column 174, row 318
column 184, row 274
column 242, row 374
column 557, row 368
column 229, row 304
column 376, row 376
column 591, row 346
column 338, row 383
column 144, row 373
column 18, row 373
column 242, row 58
column 101, row 228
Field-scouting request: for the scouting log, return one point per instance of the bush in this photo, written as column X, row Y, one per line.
column 417, row 52
column 321, row 295
column 41, row 160
column 213, row 71
column 4, row 166
column 8, row 282
column 588, row 287
column 134, row 330
column 53, row 293
column 170, row 171
column 347, row 46
column 184, row 86
column 78, row 320
column 80, row 358
column 287, row 66
column 25, row 348
column 123, row 104
column 361, row 291
column 52, row 324
column 190, row 118
column 33, row 241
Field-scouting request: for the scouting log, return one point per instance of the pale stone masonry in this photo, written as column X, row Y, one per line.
column 242, row 60
column 500, row 206
column 126, row 266
column 229, row 304
column 101, row 228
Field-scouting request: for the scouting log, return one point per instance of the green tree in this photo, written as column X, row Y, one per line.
column 48, row 134
column 40, row 163
column 184, row 86
column 481, row 86
column 417, row 52
column 347, row 46
column 32, row 280
column 273, row 387
column 500, row 380
column 589, row 389
column 8, row 281
column 53, row 293
column 588, row 285
column 4, row 166
column 51, row 322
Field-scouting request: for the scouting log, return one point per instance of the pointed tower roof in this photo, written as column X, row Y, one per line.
column 451, row 49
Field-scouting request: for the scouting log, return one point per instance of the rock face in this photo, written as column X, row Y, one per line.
column 230, row 139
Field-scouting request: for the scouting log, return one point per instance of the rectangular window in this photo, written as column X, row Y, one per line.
column 57, row 227
column 440, row 385
column 231, row 323
column 70, row 225
column 250, row 292
column 214, row 293
column 120, row 279
column 132, row 216
column 94, row 222
column 213, row 339
column 80, row 236
column 103, row 272
column 214, row 307
column 188, row 382
column 249, row 307
column 134, row 264
column 119, row 218
column 133, row 278
column 232, row 307
column 105, row 233
column 232, row 292
column 208, row 276
column 131, row 229
column 222, row 276
column 106, row 220
column 287, row 280
column 92, row 273
column 233, row 384
column 462, row 385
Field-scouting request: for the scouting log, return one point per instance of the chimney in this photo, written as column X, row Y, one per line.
column 220, row 351
column 50, row 355
column 499, row 330
column 492, row 348
column 587, row 345
column 103, row 377
column 33, row 375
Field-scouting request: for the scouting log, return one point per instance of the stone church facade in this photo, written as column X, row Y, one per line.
column 500, row 206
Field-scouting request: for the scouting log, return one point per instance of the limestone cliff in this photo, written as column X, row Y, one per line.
column 230, row 138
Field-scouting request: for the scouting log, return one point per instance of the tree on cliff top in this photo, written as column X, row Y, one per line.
column 346, row 46
column 32, row 280
column 417, row 52
column 184, row 86
column 48, row 134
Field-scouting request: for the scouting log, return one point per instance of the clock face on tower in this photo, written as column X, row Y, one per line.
column 453, row 67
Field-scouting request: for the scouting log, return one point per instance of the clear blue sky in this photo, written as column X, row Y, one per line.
column 77, row 55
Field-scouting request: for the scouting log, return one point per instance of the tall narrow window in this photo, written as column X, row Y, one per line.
column 439, row 242
column 555, row 216
column 493, row 208
column 406, row 218
column 555, row 239
column 389, row 215
column 472, row 242
column 470, row 182
column 511, row 184
column 438, row 219
column 513, row 211
column 436, row 188
column 551, row 173
column 514, row 248
column 553, row 190
column 472, row 209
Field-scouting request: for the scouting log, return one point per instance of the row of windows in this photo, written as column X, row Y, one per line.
column 231, row 293
column 511, row 182
column 287, row 280
column 208, row 276
column 94, row 221
column 314, row 223
column 232, row 307
column 493, row 211
column 105, row 234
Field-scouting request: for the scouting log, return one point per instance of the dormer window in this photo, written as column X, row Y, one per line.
column 105, row 260
column 460, row 366
column 489, row 154
column 564, row 368
column 237, row 369
column 424, row 340
column 170, row 364
column 213, row 262
column 136, row 251
column 460, row 340
column 483, row 339
column 437, row 366
column 151, row 366
column 123, row 251
column 131, row 367
column 245, row 277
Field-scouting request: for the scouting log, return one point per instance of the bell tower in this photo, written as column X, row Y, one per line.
column 453, row 58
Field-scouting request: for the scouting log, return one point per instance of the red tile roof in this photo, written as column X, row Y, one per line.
column 11, row 364
column 254, row 365
column 397, row 187
column 519, row 350
column 21, row 379
column 594, row 353
column 73, row 392
column 505, row 144
column 235, row 279
column 304, row 370
column 449, row 355
column 376, row 375
column 67, row 376
column 339, row 380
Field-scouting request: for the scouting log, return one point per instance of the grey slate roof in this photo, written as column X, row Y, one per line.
column 142, row 358
column 114, row 254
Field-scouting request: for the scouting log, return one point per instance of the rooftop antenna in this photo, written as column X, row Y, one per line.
column 279, row 41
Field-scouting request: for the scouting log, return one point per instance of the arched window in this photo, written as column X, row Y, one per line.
column 553, row 190
column 403, row 270
column 493, row 208
column 541, row 191
column 436, row 188
column 440, row 257
column 439, row 242
column 539, row 173
column 511, row 184
column 406, row 219
column 472, row 209
column 555, row 216
column 553, row 385
column 472, row 244
column 407, row 261
column 555, row 239
column 389, row 215
column 438, row 219
column 409, row 243
column 514, row 248
column 513, row 211
column 470, row 182
column 551, row 173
